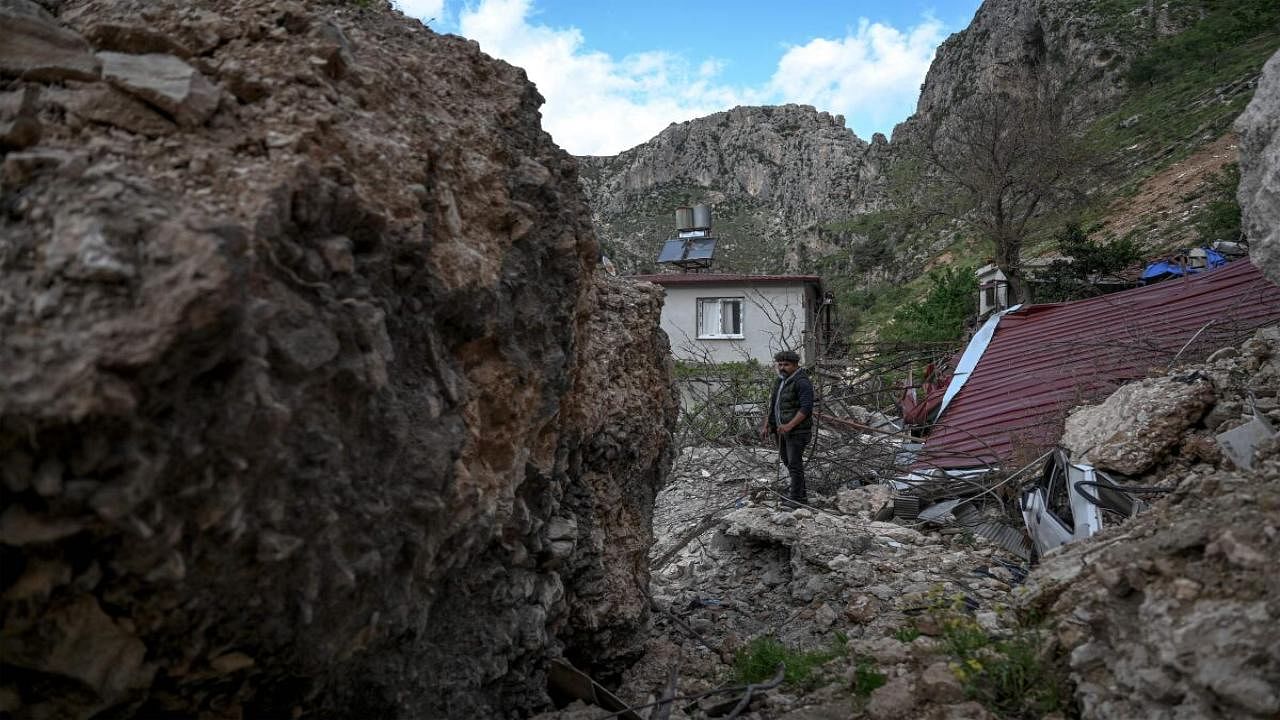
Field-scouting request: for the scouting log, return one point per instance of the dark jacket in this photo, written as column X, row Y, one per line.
column 789, row 396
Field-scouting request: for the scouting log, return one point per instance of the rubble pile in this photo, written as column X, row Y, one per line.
column 731, row 565
column 1168, row 614
column 1174, row 614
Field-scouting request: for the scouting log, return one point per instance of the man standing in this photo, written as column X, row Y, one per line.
column 790, row 419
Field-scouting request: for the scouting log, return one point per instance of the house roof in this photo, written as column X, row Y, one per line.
column 1045, row 359
column 725, row 279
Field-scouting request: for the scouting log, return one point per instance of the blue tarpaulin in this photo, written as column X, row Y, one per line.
column 1181, row 265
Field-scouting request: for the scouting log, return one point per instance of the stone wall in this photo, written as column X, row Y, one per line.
column 311, row 402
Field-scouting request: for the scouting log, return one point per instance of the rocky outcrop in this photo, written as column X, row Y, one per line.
column 313, row 402
column 1259, row 191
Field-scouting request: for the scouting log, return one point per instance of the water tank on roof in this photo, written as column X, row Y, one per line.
column 701, row 216
column 684, row 218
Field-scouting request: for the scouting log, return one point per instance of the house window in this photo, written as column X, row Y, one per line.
column 991, row 296
column 719, row 318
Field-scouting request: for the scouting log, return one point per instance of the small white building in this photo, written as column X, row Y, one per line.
column 718, row 318
column 993, row 290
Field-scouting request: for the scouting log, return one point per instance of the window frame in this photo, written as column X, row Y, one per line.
column 720, row 302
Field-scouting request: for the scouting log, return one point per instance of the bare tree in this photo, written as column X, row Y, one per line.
column 998, row 161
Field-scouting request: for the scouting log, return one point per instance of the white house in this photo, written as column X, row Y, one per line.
column 731, row 318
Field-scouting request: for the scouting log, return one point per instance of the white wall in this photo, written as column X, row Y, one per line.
column 773, row 319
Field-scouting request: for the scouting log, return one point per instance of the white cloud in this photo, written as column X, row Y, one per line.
column 871, row 76
column 597, row 104
column 424, row 10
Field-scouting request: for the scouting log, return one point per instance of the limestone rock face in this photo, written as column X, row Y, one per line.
column 1138, row 424
column 313, row 401
column 1259, row 191
column 769, row 173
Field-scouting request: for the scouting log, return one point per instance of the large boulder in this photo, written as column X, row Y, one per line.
column 1138, row 424
column 33, row 46
column 1259, row 192
column 165, row 81
column 319, row 407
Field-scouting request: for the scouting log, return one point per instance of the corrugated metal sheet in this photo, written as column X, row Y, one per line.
column 722, row 278
column 1046, row 359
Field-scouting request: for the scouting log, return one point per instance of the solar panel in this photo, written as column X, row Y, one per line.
column 672, row 251
column 690, row 252
column 701, row 249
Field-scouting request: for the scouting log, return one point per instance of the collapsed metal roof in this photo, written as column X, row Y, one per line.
column 1042, row 360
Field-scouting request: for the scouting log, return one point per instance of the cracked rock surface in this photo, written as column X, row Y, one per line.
column 313, row 402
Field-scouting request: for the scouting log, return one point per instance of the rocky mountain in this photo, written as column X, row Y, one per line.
column 1141, row 87
column 771, row 175
column 313, row 402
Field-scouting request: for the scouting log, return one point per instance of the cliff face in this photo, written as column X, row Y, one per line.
column 770, row 173
column 1259, row 191
column 311, row 402
column 1070, row 45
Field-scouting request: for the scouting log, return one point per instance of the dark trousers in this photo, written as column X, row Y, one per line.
column 791, row 449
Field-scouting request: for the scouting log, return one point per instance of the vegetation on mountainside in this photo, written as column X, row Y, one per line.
column 941, row 316
column 1220, row 218
column 1187, row 87
column 1090, row 260
column 1206, row 44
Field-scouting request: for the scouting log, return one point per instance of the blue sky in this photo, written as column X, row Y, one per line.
column 614, row 74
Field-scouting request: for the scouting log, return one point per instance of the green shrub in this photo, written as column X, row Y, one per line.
column 940, row 317
column 866, row 677
column 758, row 661
column 1013, row 675
column 1063, row 280
column 906, row 633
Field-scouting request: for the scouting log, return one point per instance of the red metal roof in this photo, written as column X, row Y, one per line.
column 724, row 278
column 1046, row 359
